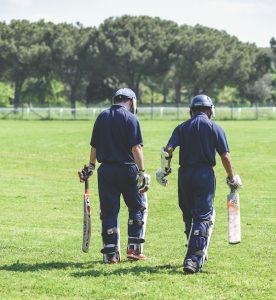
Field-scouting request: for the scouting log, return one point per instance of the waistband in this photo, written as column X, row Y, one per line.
column 116, row 163
column 205, row 166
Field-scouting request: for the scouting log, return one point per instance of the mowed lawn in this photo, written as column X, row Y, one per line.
column 42, row 210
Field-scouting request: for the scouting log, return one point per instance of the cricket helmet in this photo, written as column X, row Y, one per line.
column 126, row 94
column 203, row 101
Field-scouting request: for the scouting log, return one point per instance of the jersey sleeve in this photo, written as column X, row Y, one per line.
column 135, row 135
column 221, row 141
column 174, row 140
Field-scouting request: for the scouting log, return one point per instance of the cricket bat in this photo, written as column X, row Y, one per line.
column 234, row 222
column 86, row 219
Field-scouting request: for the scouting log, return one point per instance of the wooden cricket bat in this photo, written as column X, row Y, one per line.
column 86, row 219
column 234, row 222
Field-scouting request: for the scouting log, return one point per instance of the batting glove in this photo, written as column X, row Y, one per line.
column 160, row 176
column 234, row 183
column 86, row 172
column 143, row 181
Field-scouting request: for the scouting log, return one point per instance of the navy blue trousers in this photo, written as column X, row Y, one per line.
column 115, row 180
column 196, row 191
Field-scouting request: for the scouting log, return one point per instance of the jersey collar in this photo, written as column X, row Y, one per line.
column 199, row 113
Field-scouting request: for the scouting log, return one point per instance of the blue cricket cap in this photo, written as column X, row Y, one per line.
column 124, row 93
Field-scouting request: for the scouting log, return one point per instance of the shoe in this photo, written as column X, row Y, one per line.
column 135, row 255
column 112, row 259
column 190, row 266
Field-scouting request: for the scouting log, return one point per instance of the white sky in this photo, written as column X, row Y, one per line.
column 251, row 21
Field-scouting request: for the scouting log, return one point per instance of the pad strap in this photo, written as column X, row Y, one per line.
column 201, row 233
column 109, row 232
column 199, row 253
column 133, row 240
column 112, row 230
column 109, row 250
column 135, row 222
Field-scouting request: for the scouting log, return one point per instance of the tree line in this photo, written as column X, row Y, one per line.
column 47, row 63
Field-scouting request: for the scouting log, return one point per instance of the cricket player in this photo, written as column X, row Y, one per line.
column 199, row 139
column 116, row 143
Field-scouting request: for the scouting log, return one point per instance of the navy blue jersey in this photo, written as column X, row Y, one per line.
column 115, row 132
column 199, row 139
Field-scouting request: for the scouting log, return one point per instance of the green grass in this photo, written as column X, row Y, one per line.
column 41, row 220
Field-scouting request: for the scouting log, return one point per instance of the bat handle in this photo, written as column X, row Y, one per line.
column 86, row 182
column 233, row 190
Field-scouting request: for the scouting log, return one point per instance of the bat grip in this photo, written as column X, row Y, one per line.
column 233, row 190
column 86, row 182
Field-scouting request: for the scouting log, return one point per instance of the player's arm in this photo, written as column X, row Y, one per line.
column 165, row 169
column 233, row 181
column 93, row 156
column 222, row 148
column 137, row 152
column 166, row 157
column 143, row 179
column 226, row 162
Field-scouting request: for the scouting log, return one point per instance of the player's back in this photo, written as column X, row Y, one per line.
column 197, row 143
column 112, row 135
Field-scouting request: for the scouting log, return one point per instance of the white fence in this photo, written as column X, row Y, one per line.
column 154, row 112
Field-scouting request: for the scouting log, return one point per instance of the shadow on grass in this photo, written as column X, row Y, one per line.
column 23, row 267
column 126, row 269
column 94, row 268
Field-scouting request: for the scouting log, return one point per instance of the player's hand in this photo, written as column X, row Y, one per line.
column 143, row 181
column 160, row 176
column 86, row 172
column 234, row 183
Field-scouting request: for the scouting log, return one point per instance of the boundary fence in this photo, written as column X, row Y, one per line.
column 154, row 112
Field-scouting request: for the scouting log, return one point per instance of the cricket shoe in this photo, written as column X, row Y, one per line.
column 191, row 267
column 135, row 255
column 111, row 259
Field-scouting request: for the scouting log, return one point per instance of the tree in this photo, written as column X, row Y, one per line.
column 205, row 60
column 69, row 46
column 261, row 90
column 26, row 54
column 273, row 45
column 198, row 58
column 133, row 48
column 6, row 94
column 43, row 90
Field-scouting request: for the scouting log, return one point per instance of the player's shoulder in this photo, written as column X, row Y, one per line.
column 124, row 114
column 215, row 124
column 184, row 124
column 131, row 117
column 105, row 112
column 216, row 127
column 178, row 129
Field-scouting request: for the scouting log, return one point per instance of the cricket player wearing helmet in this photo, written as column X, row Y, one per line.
column 199, row 139
column 116, row 143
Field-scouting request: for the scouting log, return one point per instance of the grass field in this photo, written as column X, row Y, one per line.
column 41, row 220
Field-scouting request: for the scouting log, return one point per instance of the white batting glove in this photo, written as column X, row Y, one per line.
column 160, row 177
column 235, row 183
column 143, row 181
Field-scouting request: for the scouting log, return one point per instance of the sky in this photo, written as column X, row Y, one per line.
column 252, row 21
